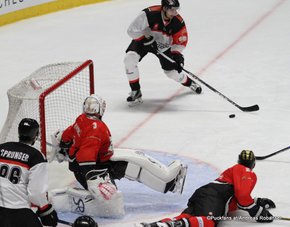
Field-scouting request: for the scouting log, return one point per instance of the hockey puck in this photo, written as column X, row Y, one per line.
column 232, row 115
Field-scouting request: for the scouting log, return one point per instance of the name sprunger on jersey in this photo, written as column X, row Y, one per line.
column 14, row 155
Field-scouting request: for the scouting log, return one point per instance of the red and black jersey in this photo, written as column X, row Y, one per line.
column 168, row 34
column 243, row 179
column 215, row 199
column 23, row 176
column 91, row 140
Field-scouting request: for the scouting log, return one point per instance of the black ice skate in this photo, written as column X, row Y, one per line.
column 135, row 98
column 195, row 87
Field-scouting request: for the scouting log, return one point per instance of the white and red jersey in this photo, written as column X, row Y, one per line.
column 91, row 140
column 23, row 176
column 168, row 34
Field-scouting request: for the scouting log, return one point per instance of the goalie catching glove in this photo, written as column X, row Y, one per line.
column 62, row 154
column 100, row 184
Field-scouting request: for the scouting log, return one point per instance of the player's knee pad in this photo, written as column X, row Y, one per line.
column 174, row 75
column 131, row 60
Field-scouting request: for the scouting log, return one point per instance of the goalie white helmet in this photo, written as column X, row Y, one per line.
column 94, row 105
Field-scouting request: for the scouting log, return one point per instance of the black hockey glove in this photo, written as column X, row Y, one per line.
column 265, row 202
column 260, row 214
column 64, row 147
column 265, row 216
column 48, row 216
column 179, row 61
column 150, row 45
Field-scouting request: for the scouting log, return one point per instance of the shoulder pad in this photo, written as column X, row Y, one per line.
column 154, row 8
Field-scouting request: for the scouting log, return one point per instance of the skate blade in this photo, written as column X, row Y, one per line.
column 135, row 103
column 183, row 180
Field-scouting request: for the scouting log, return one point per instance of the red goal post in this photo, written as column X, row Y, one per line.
column 53, row 95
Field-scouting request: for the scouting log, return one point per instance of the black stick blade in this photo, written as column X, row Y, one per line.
column 250, row 108
column 272, row 154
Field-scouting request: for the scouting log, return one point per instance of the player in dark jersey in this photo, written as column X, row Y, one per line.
column 157, row 27
column 231, row 190
column 24, row 181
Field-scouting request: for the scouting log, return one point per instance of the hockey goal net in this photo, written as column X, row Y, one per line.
column 52, row 95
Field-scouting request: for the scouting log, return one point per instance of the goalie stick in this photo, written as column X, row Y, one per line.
column 192, row 76
column 272, row 154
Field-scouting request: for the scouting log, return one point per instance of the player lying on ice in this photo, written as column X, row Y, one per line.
column 231, row 190
column 88, row 147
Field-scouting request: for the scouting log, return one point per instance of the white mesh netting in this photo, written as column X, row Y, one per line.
column 70, row 84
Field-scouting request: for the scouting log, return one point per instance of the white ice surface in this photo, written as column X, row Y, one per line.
column 241, row 48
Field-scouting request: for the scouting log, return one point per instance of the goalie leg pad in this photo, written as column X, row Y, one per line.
column 82, row 202
column 60, row 199
column 134, row 172
column 148, row 170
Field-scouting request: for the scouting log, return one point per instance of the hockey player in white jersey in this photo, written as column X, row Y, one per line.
column 24, row 181
column 161, row 28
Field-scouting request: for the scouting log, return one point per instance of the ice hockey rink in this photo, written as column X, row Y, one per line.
column 241, row 48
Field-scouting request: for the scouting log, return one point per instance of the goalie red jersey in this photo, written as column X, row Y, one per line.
column 91, row 140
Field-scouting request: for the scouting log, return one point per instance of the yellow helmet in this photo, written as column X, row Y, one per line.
column 247, row 158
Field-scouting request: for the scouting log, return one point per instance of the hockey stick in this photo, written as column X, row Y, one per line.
column 284, row 219
column 192, row 76
column 270, row 155
column 65, row 222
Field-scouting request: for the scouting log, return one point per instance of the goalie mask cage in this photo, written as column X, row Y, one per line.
column 52, row 95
